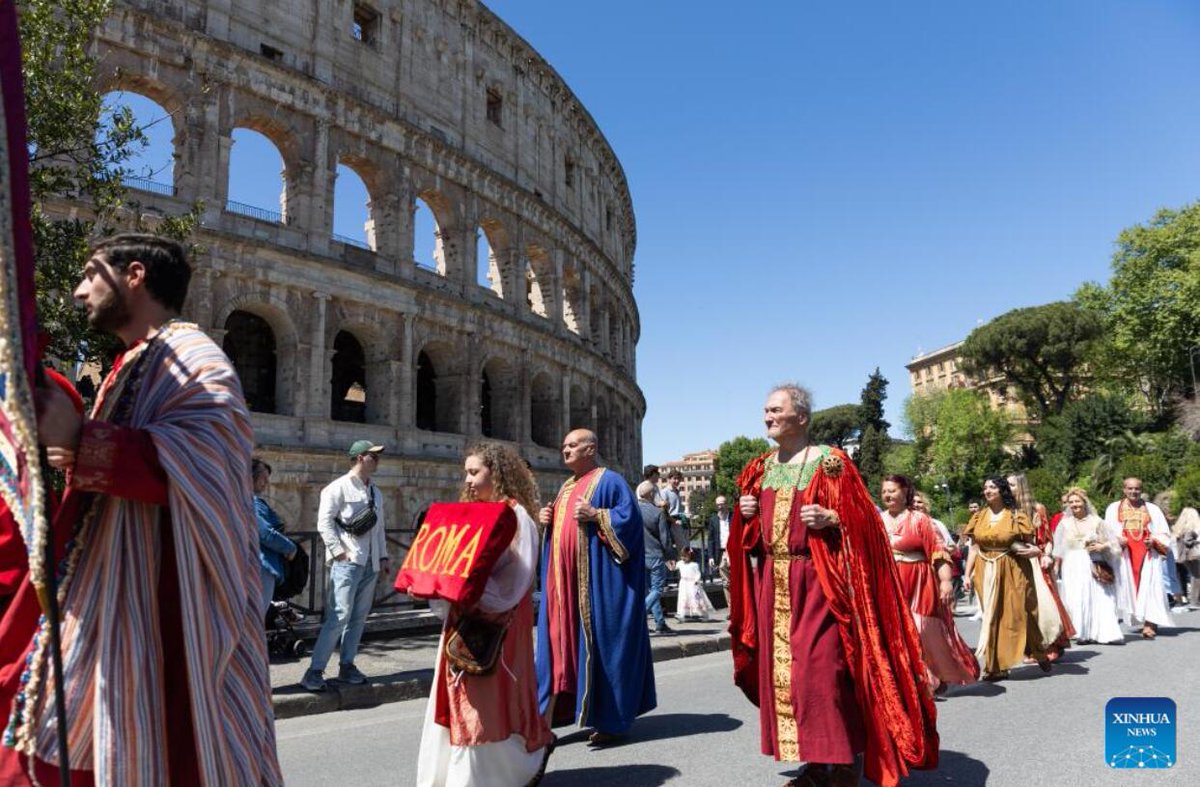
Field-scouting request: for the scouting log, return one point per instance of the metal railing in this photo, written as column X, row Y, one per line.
column 398, row 539
column 262, row 214
column 151, row 186
column 352, row 241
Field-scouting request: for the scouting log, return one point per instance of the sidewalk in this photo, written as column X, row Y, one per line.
column 401, row 668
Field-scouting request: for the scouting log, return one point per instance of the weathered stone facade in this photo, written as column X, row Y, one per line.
column 431, row 99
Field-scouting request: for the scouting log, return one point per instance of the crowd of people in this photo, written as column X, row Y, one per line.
column 841, row 614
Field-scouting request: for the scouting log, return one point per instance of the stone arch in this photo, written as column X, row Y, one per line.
column 545, row 410
column 433, row 220
column 572, row 299
column 348, row 383
column 250, row 344
column 538, row 276
column 499, row 399
column 157, row 112
column 581, row 408
column 603, row 427
column 491, row 248
column 354, row 225
column 251, row 147
column 599, row 315
column 273, row 310
column 439, row 394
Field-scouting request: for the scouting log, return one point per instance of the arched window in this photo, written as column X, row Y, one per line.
column 250, row 344
column 427, row 385
column 428, row 248
column 498, row 400
column 349, row 382
column 572, row 298
column 152, row 166
column 545, row 411
column 352, row 222
column 258, row 180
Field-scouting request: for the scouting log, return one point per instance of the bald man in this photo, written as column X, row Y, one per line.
column 593, row 648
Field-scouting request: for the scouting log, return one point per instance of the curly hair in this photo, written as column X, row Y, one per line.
column 1006, row 492
column 511, row 477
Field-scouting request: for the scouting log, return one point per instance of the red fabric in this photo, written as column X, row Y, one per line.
column 857, row 574
column 1054, row 520
column 1044, row 538
column 105, row 448
column 455, row 550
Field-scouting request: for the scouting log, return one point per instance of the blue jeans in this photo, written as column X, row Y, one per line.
column 348, row 597
column 268, row 591
column 656, row 582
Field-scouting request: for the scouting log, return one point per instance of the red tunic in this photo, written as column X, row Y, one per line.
column 122, row 462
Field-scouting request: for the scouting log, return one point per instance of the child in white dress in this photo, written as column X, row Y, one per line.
column 693, row 601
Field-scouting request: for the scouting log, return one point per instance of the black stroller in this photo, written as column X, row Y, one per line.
column 282, row 615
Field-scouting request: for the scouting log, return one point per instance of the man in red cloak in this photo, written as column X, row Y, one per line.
column 823, row 642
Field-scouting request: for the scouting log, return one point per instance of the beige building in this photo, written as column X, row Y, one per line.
column 523, row 324
column 940, row 370
column 697, row 470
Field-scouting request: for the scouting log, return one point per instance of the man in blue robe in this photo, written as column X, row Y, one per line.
column 593, row 648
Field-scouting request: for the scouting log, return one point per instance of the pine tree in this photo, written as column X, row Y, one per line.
column 874, row 442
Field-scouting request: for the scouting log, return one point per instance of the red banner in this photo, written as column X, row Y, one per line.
column 455, row 550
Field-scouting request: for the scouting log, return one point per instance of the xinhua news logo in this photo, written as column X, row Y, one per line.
column 1139, row 732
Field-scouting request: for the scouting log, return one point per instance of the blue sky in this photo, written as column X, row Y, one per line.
column 823, row 188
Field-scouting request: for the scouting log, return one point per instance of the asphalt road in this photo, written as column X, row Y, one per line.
column 1033, row 730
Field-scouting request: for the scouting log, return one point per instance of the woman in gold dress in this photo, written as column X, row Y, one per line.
column 1001, row 572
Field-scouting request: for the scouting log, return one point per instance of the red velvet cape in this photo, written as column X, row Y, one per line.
column 858, row 577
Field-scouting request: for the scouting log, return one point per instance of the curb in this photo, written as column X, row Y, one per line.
column 293, row 701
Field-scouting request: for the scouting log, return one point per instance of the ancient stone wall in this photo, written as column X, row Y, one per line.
column 437, row 100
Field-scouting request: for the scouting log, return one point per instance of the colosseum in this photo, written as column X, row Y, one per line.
column 522, row 326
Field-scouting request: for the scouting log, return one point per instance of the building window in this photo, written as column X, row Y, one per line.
column 270, row 52
column 495, row 105
column 366, row 24
column 569, row 173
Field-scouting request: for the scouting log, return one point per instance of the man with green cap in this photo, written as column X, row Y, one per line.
column 350, row 521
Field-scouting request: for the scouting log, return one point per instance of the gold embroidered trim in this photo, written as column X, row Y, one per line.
column 585, row 603
column 787, row 733
column 619, row 552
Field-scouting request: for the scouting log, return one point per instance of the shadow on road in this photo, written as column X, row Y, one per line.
column 953, row 768
column 979, row 689
column 616, row 775
column 676, row 725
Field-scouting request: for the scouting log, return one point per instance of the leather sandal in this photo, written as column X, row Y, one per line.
column 601, row 739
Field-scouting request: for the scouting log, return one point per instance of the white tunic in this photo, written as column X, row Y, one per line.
column 1147, row 602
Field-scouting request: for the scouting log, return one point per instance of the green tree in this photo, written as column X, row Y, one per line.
column 1151, row 307
column 960, row 439
column 78, row 151
column 732, row 456
column 1187, row 488
column 1040, row 350
column 834, row 425
column 1071, row 439
column 873, row 441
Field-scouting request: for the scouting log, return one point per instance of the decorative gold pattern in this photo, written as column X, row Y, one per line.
column 832, row 465
column 787, row 733
column 585, row 603
column 618, row 550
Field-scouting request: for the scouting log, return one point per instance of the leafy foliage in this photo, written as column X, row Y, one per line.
column 1187, row 488
column 1040, row 350
column 732, row 456
column 1151, row 306
column 959, row 439
column 834, row 425
column 79, row 152
column 1076, row 436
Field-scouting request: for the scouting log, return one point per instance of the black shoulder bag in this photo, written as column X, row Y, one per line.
column 361, row 523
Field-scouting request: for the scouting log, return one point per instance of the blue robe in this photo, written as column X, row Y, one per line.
column 616, row 675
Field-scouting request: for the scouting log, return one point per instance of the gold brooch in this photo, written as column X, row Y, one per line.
column 832, row 465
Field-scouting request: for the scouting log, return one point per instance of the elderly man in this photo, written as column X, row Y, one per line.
column 718, row 537
column 1145, row 541
column 822, row 640
column 660, row 556
column 593, row 650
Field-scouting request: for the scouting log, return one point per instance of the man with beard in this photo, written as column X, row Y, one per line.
column 165, row 661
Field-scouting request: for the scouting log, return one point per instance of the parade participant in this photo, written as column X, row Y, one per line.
column 919, row 503
column 273, row 546
column 1084, row 550
column 1052, row 613
column 165, row 660
column 593, row 650
column 1186, row 531
column 926, row 580
column 823, row 643
column 1145, row 539
column 487, row 729
column 1000, row 567
column 357, row 554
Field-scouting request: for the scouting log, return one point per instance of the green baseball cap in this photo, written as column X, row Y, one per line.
column 360, row 447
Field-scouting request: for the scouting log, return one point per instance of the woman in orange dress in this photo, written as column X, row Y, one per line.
column 926, row 580
column 486, row 729
column 1001, row 572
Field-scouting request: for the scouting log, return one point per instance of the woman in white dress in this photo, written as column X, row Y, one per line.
column 486, row 730
column 1085, row 553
